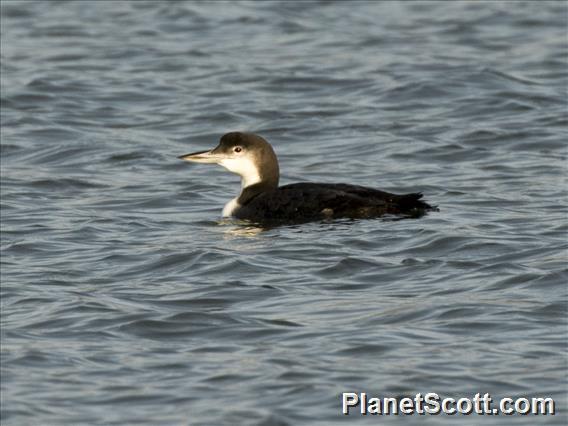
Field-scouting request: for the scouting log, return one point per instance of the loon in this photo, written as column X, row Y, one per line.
column 261, row 199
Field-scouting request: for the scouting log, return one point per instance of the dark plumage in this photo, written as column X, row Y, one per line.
column 261, row 200
column 307, row 201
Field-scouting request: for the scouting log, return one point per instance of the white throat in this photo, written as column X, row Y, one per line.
column 249, row 174
column 244, row 167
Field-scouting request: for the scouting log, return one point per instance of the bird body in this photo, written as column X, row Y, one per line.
column 262, row 200
column 307, row 201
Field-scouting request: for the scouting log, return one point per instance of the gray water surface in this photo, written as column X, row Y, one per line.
column 127, row 300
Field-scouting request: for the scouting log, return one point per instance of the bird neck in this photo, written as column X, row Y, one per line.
column 251, row 191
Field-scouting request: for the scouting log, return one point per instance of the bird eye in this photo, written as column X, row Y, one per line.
column 237, row 149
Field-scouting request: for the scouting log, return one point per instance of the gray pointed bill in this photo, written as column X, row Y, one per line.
column 203, row 157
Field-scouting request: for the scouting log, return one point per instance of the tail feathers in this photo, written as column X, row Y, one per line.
column 412, row 201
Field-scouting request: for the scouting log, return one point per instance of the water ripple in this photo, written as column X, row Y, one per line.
column 127, row 300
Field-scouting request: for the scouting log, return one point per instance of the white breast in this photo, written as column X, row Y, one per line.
column 231, row 207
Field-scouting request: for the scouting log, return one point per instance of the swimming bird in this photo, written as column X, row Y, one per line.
column 261, row 200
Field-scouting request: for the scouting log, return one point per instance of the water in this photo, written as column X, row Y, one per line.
column 125, row 299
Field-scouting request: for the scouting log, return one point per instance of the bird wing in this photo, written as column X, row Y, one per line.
column 305, row 201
